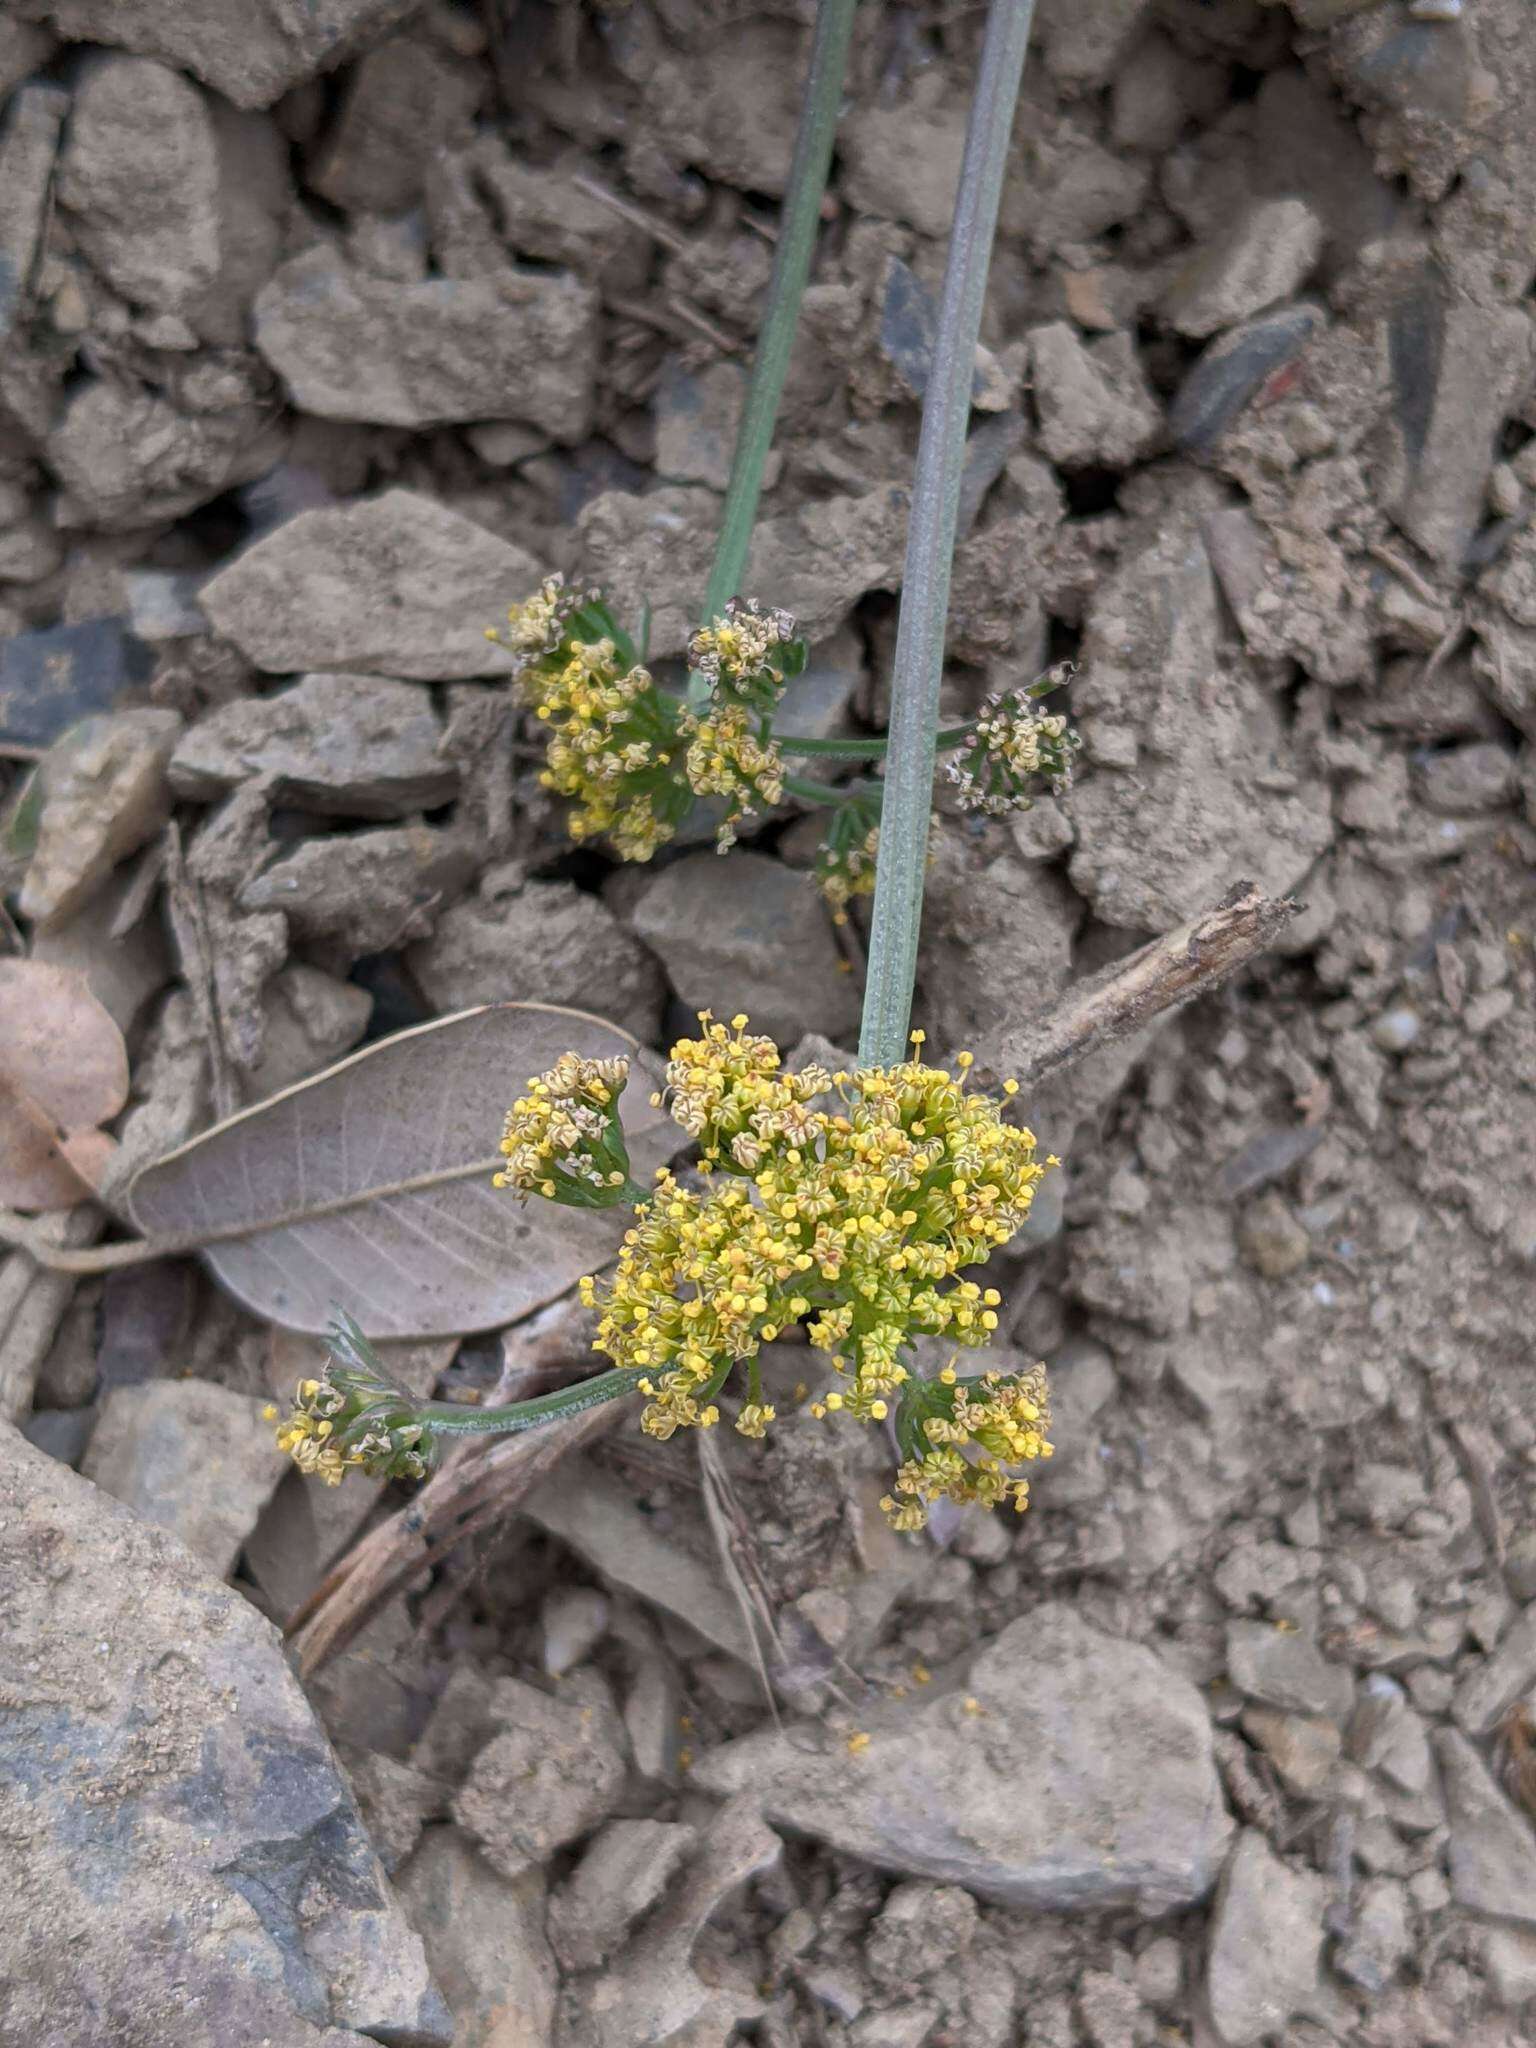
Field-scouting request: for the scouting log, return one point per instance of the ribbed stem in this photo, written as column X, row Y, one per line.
column 919, row 661
column 798, row 225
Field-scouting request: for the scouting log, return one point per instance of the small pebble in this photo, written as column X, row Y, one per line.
column 1395, row 1030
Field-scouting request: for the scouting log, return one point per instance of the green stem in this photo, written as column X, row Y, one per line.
column 791, row 265
column 919, row 663
column 449, row 1418
column 813, row 792
column 868, row 746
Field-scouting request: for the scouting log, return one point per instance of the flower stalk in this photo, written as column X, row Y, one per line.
column 920, row 632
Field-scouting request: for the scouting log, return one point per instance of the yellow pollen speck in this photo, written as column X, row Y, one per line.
column 858, row 1743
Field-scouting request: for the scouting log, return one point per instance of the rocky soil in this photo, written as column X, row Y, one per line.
column 323, row 333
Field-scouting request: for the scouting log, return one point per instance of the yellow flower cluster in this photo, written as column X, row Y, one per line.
column 1001, row 1417
column 355, row 1417
column 308, row 1436
column 732, row 754
column 1010, row 747
column 563, row 1139
column 855, row 1219
column 747, row 653
column 615, row 747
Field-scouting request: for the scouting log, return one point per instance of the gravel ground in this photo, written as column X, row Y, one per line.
column 323, row 335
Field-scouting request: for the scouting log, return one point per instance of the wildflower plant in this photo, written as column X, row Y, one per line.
column 857, row 1206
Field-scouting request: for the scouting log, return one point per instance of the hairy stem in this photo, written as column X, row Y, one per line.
column 919, row 661
column 450, row 1418
column 791, row 266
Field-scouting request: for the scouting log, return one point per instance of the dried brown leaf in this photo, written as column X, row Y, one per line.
column 368, row 1188
column 63, row 1071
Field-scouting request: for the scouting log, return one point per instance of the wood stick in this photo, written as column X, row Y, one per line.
column 1125, row 998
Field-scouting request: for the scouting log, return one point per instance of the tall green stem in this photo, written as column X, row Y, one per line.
column 791, row 266
column 919, row 662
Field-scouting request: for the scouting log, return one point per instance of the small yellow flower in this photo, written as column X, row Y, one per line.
column 563, row 1139
column 1011, row 746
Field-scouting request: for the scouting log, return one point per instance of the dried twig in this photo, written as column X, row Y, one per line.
column 1118, row 1003
column 32, row 1304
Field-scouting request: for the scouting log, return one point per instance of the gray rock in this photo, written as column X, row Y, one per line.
column 1381, row 1937
column 1265, row 254
column 909, row 327
column 351, row 346
column 1232, row 369
column 175, row 201
column 368, row 891
column 1137, row 1274
column 626, row 1868
column 1395, row 1030
column 485, row 1941
column 996, row 940
column 552, row 1773
column 163, row 606
column 650, row 1993
column 1492, row 1851
column 1509, row 1960
column 572, row 1622
column 545, row 942
column 902, row 158
column 1266, row 1941
column 1108, row 2010
column 396, row 585
column 396, row 1802
column 1082, row 45
column 1120, row 1804
column 1094, row 404
column 1478, row 777
column 24, row 48
column 252, row 58
column 1492, row 1687
column 744, row 933
column 919, row 1929
column 62, row 1432
column 815, row 562
column 600, row 1520
column 192, row 1458
column 547, row 216
column 104, row 795
column 129, row 458
column 309, row 1020
column 51, row 679
column 1284, row 1668
column 1271, row 1239
column 27, row 151
column 164, row 1770
column 1191, row 800
column 406, row 98
column 349, row 745
column 1457, row 369
column 696, row 421
column 1302, row 1748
